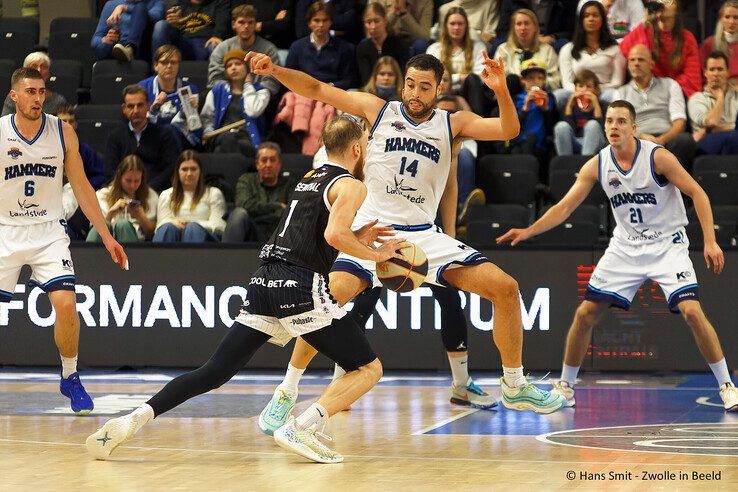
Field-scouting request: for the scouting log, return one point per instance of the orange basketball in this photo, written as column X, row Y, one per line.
column 406, row 274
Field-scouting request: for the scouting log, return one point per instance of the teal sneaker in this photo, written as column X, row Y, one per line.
column 276, row 413
column 529, row 397
column 473, row 396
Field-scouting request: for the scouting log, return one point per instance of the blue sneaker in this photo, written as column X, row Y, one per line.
column 276, row 413
column 72, row 388
column 530, row 397
column 472, row 395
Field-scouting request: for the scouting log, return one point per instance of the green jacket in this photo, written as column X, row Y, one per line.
column 263, row 203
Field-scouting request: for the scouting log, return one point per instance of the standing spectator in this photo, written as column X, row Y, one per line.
column 322, row 55
column 410, row 18
column 378, row 43
column 674, row 48
column 593, row 48
column 482, row 17
column 662, row 114
column 91, row 161
column 275, row 21
column 713, row 112
column 194, row 26
column 243, row 22
column 524, row 44
column 456, row 49
column 556, row 19
column 166, row 105
column 121, row 25
column 189, row 211
column 536, row 110
column 385, row 81
column 725, row 39
column 128, row 204
column 344, row 19
column 580, row 132
column 153, row 143
column 236, row 99
column 622, row 15
column 40, row 61
column 261, row 197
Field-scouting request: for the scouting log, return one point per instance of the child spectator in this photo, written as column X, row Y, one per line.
column 581, row 131
column 536, row 110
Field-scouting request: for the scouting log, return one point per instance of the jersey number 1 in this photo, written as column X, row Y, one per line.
column 289, row 217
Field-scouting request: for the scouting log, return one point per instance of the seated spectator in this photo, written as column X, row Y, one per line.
column 713, row 112
column 536, row 110
column 194, row 26
column 378, row 43
column 40, row 61
column 322, row 55
column 385, row 81
column 581, row 130
column 121, row 25
column 524, row 44
column 556, row 19
column 128, row 204
column 622, row 15
column 93, row 164
column 238, row 99
column 725, row 39
column 661, row 115
column 674, row 48
column 189, row 211
column 466, row 155
column 594, row 49
column 481, row 17
column 243, row 22
column 275, row 21
column 261, row 197
column 444, row 89
column 410, row 19
column 345, row 20
column 165, row 103
column 457, row 51
column 153, row 143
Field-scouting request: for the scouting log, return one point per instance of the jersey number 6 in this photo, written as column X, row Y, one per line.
column 29, row 190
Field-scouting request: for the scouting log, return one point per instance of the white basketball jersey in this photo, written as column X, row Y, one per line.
column 31, row 191
column 647, row 208
column 406, row 167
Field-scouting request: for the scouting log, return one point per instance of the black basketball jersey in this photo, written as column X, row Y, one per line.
column 299, row 237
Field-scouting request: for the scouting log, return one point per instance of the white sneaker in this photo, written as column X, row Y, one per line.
column 122, row 52
column 306, row 442
column 729, row 394
column 111, row 435
column 562, row 388
column 472, row 395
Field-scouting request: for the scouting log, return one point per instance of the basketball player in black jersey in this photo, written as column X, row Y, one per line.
column 288, row 296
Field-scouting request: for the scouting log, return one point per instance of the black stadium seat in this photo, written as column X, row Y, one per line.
column 720, row 186
column 726, row 226
column 69, row 39
column 27, row 25
column 137, row 68
column 6, row 71
column 108, row 89
column 95, row 132
column 17, row 45
column 297, row 164
column 571, row 233
column 100, row 112
column 486, row 222
column 567, row 163
column 714, row 163
column 223, row 170
column 560, row 181
column 508, row 178
column 195, row 72
column 595, row 214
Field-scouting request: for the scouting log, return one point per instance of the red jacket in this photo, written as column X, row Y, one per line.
column 303, row 115
column 708, row 46
column 689, row 72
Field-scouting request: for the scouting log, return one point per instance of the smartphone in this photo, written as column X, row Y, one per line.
column 134, row 203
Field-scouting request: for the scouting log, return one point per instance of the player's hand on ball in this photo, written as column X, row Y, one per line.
column 493, row 73
column 390, row 249
column 260, row 63
column 369, row 234
column 714, row 255
column 116, row 252
column 514, row 236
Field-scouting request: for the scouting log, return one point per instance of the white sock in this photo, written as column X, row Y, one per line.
column 291, row 380
column 569, row 374
column 315, row 414
column 720, row 370
column 513, row 376
column 338, row 372
column 459, row 370
column 141, row 416
column 69, row 366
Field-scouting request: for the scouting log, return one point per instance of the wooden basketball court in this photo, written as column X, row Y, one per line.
column 628, row 433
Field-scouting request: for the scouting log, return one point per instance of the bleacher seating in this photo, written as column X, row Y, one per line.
column 108, row 89
column 298, row 164
column 100, row 112
column 95, row 132
column 69, row 39
column 487, row 222
column 195, row 72
column 224, row 171
column 508, row 178
column 137, row 68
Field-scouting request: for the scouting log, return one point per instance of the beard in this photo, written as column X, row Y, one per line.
column 419, row 114
column 359, row 169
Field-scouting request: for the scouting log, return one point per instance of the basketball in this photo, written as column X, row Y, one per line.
column 404, row 275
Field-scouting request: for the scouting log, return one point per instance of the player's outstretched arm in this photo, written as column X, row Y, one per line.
column 361, row 104
column 667, row 165
column 86, row 197
column 507, row 126
column 557, row 214
column 346, row 196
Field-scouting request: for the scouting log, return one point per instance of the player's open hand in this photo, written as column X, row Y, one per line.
column 116, row 252
column 493, row 73
column 370, row 233
column 391, row 249
column 714, row 255
column 514, row 236
column 260, row 63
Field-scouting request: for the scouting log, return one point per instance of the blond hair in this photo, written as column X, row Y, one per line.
column 446, row 45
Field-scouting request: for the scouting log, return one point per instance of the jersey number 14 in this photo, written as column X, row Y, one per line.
column 412, row 169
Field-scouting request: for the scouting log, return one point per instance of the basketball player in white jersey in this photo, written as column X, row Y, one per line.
column 408, row 175
column 642, row 181
column 36, row 149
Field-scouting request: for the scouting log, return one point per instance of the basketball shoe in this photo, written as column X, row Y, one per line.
column 472, row 395
column 72, row 388
column 276, row 413
column 111, row 435
column 729, row 394
column 306, row 442
column 530, row 397
column 562, row 388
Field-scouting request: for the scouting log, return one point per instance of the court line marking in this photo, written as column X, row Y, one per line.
column 445, row 421
column 392, row 458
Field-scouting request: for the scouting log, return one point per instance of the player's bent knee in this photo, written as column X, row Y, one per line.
column 65, row 303
column 504, row 287
column 373, row 370
column 691, row 312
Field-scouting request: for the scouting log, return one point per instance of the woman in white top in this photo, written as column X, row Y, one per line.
column 189, row 211
column 524, row 44
column 128, row 204
column 593, row 48
column 456, row 50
